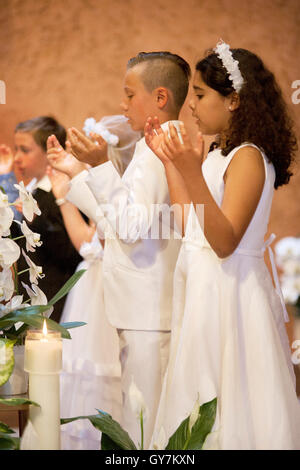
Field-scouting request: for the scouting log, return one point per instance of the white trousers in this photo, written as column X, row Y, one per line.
column 144, row 356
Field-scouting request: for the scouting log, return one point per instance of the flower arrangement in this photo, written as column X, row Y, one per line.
column 287, row 252
column 17, row 314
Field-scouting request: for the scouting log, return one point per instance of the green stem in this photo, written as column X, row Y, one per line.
column 142, row 430
column 18, row 238
column 16, row 279
column 24, row 271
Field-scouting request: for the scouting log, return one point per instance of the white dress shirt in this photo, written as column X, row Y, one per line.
column 138, row 269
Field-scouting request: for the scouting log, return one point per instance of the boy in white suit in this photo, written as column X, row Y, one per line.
column 138, row 269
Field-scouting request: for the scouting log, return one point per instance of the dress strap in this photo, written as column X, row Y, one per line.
column 267, row 244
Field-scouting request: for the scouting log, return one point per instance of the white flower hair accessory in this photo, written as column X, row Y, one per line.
column 90, row 125
column 231, row 65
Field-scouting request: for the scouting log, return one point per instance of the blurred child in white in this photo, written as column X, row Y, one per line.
column 91, row 368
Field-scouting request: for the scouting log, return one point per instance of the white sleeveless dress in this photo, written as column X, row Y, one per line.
column 91, row 376
column 228, row 335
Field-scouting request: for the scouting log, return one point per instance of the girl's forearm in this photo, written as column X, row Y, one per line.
column 78, row 230
column 217, row 228
column 179, row 196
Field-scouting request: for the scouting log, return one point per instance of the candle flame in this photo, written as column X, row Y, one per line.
column 45, row 331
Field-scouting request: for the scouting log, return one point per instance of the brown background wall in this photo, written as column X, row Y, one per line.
column 67, row 57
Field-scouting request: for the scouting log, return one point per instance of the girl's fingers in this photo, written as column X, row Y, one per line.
column 156, row 125
column 174, row 136
column 166, row 151
column 168, row 143
column 185, row 138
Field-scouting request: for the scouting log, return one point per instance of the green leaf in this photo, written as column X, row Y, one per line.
column 178, row 440
column 9, row 443
column 17, row 401
column 203, row 425
column 22, row 314
column 7, row 359
column 73, row 324
column 67, row 286
column 119, row 438
column 108, row 444
column 183, row 439
column 5, row 429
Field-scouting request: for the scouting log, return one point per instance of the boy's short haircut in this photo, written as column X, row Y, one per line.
column 41, row 128
column 164, row 69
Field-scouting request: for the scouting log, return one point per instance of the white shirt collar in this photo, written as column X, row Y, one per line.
column 44, row 183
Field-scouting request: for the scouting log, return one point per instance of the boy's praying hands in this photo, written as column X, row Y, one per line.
column 93, row 152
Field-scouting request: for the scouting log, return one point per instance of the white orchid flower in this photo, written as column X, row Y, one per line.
column 161, row 441
column 3, row 200
column 37, row 297
column 6, row 219
column 137, row 401
column 7, row 285
column 194, row 414
column 287, row 248
column 15, row 302
column 32, row 238
column 35, row 272
column 9, row 252
column 29, row 204
column 290, row 287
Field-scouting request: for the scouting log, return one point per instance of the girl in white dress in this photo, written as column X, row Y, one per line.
column 228, row 332
column 91, row 375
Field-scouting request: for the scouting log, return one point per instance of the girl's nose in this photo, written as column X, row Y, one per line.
column 192, row 105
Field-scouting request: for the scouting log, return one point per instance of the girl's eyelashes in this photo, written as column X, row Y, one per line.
column 199, row 97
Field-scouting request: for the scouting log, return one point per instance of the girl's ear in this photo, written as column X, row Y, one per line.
column 162, row 97
column 234, row 101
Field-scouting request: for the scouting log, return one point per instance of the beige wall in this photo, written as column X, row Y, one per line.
column 67, row 57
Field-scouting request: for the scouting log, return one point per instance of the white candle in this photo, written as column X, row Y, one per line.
column 43, row 362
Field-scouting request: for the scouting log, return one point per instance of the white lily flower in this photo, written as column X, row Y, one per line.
column 9, row 252
column 161, row 441
column 194, row 414
column 35, row 271
column 3, row 199
column 137, row 401
column 6, row 219
column 29, row 204
column 32, row 238
column 7, row 285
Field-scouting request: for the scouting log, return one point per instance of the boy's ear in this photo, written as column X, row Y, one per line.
column 162, row 97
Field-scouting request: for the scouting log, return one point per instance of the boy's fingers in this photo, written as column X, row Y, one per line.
column 82, row 138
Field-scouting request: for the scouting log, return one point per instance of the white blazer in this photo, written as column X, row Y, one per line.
column 137, row 268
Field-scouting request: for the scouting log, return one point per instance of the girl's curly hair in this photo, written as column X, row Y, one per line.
column 262, row 117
